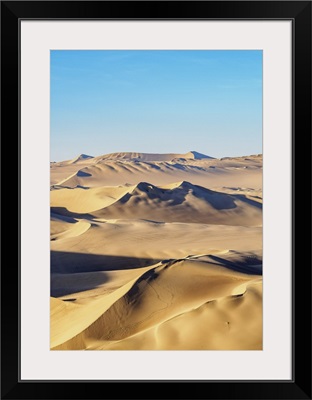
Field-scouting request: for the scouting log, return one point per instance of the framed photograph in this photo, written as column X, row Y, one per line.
column 159, row 234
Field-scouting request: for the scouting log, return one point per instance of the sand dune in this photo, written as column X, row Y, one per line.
column 81, row 157
column 178, row 202
column 60, row 223
column 156, row 251
column 191, row 155
column 79, row 228
column 78, row 159
column 184, row 203
column 86, row 201
column 215, row 325
column 160, row 294
column 110, row 245
column 111, row 171
column 69, row 320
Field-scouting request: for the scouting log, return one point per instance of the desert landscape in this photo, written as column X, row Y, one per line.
column 156, row 252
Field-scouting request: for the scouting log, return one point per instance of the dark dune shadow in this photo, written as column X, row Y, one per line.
column 63, row 218
column 125, row 198
column 152, row 221
column 179, row 166
column 64, row 262
column 77, row 187
column 200, row 156
column 82, row 187
column 58, row 187
column 83, row 174
column 152, row 165
column 219, row 201
column 66, row 284
column 245, row 199
column 250, row 265
column 64, row 212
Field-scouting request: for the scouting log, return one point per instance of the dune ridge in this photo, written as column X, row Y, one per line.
column 151, row 156
column 178, row 202
column 157, row 295
column 109, row 170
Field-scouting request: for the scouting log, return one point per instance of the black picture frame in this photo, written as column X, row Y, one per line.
column 299, row 387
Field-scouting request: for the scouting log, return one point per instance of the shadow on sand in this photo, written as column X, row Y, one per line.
column 65, row 262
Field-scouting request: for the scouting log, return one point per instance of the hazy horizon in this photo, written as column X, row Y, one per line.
column 141, row 152
column 156, row 102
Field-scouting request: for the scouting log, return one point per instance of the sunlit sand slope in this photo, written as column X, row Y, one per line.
column 147, row 311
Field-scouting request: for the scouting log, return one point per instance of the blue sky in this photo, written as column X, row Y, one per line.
column 155, row 102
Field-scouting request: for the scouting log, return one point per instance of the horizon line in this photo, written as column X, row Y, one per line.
column 164, row 153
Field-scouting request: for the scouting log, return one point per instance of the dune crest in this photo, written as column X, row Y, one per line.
column 178, row 202
column 150, row 156
column 157, row 296
column 111, row 170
